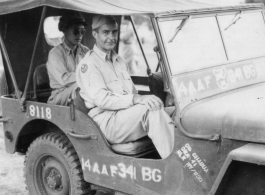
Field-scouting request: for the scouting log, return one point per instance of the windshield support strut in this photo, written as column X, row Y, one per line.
column 179, row 28
column 141, row 47
column 234, row 20
column 23, row 99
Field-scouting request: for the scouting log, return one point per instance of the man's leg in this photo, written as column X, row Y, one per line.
column 135, row 122
column 156, row 85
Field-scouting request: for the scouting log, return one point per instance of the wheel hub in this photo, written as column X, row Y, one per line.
column 53, row 179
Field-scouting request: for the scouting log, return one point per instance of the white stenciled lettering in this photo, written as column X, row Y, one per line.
column 146, row 173
column 96, row 168
column 231, row 76
column 156, row 175
column 113, row 170
column 197, row 176
column 32, row 110
column 48, row 113
column 207, row 80
column 188, row 147
column 121, row 170
column 249, row 71
column 40, row 112
column 130, row 172
column 238, row 74
column 200, row 162
column 149, row 174
column 182, row 89
column 253, row 71
column 104, row 170
column 192, row 89
column 200, row 85
column 86, row 164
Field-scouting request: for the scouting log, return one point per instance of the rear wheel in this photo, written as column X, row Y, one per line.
column 52, row 167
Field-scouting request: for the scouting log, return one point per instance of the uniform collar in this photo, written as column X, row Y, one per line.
column 67, row 49
column 103, row 55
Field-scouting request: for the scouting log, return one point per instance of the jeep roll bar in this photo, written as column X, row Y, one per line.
column 23, row 99
column 6, row 58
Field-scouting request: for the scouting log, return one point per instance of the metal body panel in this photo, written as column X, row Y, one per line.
column 236, row 115
column 205, row 83
column 251, row 153
column 191, row 168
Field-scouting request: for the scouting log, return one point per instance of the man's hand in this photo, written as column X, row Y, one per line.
column 150, row 101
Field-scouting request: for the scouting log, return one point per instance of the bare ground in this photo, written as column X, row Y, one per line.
column 11, row 171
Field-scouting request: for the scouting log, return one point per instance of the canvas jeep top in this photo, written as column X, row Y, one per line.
column 212, row 59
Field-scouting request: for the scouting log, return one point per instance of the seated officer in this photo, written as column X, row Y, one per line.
column 111, row 96
column 63, row 59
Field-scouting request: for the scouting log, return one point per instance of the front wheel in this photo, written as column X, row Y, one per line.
column 52, row 167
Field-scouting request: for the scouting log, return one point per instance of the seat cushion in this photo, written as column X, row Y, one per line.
column 133, row 148
column 41, row 77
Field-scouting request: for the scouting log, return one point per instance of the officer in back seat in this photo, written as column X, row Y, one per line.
column 112, row 98
column 63, row 59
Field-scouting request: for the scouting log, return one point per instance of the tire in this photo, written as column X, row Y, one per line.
column 52, row 167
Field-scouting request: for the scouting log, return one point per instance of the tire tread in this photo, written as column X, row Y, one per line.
column 63, row 144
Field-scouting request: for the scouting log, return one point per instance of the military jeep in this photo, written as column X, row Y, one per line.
column 212, row 59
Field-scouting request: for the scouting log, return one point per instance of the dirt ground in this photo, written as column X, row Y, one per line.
column 11, row 171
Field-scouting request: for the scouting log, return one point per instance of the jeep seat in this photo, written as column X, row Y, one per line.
column 139, row 148
column 41, row 86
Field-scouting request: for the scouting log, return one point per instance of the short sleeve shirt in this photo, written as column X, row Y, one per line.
column 104, row 82
column 62, row 64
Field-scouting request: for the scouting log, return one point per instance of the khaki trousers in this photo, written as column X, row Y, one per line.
column 130, row 124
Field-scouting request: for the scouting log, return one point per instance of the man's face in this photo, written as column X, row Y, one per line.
column 106, row 36
column 74, row 34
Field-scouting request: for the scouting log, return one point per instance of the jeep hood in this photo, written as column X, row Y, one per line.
column 238, row 115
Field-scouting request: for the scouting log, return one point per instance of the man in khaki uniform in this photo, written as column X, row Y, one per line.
column 64, row 58
column 112, row 98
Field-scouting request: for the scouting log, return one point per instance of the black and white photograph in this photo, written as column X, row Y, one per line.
column 132, row 97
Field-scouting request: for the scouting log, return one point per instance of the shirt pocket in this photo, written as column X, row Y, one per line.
column 113, row 84
column 110, row 77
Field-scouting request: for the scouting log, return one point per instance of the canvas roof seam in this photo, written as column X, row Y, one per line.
column 228, row 8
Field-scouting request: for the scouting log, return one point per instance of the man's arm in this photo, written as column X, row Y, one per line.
column 91, row 81
column 56, row 66
column 150, row 101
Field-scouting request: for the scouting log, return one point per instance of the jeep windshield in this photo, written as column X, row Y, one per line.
column 214, row 53
column 207, row 41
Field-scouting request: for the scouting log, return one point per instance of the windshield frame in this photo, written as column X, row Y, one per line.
column 194, row 16
column 164, row 56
